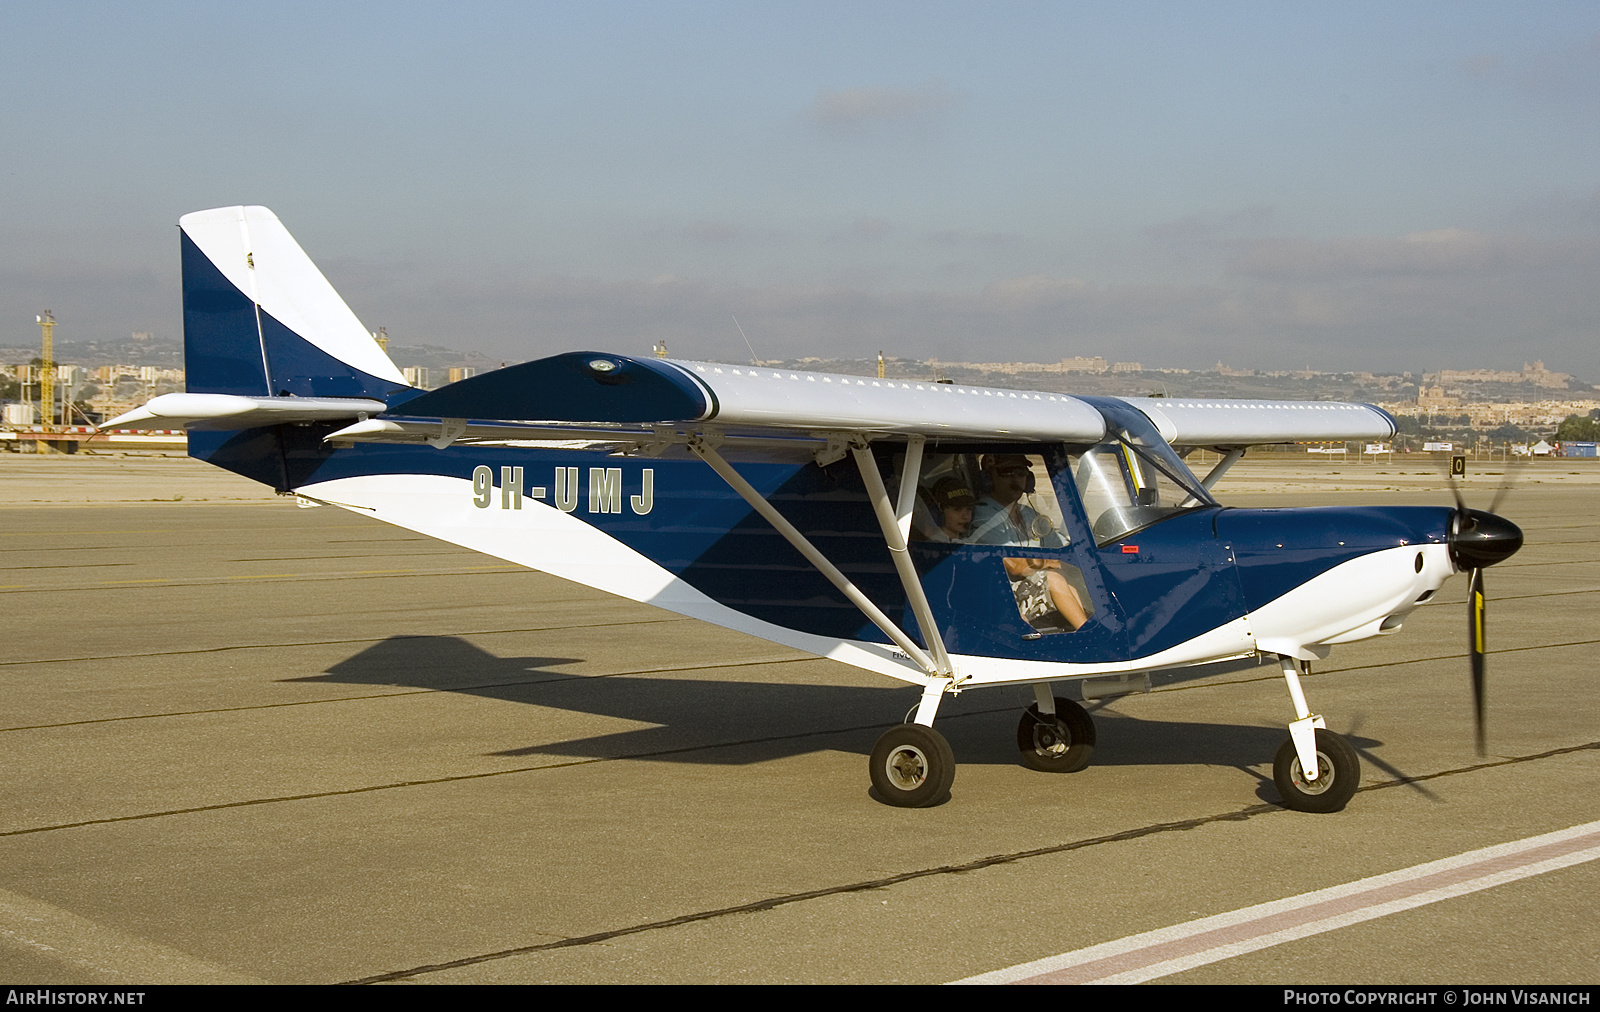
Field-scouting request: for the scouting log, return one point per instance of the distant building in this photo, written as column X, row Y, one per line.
column 1535, row 373
column 462, row 372
column 1082, row 364
column 416, row 375
column 1434, row 398
column 1127, row 367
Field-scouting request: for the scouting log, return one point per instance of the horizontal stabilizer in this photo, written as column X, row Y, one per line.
column 233, row 411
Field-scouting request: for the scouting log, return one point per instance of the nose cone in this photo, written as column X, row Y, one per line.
column 1479, row 539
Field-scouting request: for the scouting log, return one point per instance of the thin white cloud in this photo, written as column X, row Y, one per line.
column 1037, row 290
column 865, row 228
column 1439, row 251
column 1250, row 220
column 714, row 231
column 856, row 109
column 1562, row 75
column 956, row 237
column 1405, row 319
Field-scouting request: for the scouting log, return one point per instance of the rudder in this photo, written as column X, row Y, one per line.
column 259, row 318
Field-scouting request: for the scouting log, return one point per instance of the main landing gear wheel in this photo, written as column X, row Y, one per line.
column 1338, row 775
column 1059, row 743
column 912, row 766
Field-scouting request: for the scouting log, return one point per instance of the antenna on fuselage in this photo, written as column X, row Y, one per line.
column 747, row 343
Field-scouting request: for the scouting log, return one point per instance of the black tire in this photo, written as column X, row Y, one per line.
column 1063, row 743
column 1338, row 775
column 912, row 766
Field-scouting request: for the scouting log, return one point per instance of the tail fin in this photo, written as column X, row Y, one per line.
column 259, row 319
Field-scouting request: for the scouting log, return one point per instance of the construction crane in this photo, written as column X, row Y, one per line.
column 47, row 370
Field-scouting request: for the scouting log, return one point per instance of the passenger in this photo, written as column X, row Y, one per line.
column 955, row 501
column 1003, row 519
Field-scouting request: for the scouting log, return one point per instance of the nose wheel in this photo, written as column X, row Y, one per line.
column 1060, row 742
column 1338, row 775
column 912, row 766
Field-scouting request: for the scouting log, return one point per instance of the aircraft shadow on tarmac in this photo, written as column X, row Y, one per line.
column 699, row 720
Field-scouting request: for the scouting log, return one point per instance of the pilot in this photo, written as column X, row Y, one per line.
column 955, row 501
column 1001, row 518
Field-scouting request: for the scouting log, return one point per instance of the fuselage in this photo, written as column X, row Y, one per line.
column 1199, row 584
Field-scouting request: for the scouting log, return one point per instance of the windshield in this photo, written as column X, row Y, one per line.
column 1134, row 478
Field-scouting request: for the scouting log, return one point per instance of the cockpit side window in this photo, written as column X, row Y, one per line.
column 1125, row 487
column 1006, row 500
column 988, row 499
column 1134, row 478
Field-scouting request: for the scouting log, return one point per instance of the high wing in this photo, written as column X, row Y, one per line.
column 1226, row 423
column 582, row 389
column 605, row 396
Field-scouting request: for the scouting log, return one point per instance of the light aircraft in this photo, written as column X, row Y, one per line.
column 952, row 537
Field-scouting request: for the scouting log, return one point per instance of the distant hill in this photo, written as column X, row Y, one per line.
column 163, row 352
column 167, row 353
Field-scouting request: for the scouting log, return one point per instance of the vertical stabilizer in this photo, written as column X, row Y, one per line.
column 260, row 319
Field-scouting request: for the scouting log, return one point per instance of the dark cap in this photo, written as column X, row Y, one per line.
column 951, row 491
column 997, row 461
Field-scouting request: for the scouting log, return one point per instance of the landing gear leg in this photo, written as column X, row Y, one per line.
column 912, row 765
column 1315, row 770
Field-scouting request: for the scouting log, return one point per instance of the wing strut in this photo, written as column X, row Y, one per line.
column 895, row 526
column 702, row 449
column 1229, row 459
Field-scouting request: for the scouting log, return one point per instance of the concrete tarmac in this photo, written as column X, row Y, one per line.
column 241, row 741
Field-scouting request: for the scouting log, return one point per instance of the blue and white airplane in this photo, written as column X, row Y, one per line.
column 952, row 537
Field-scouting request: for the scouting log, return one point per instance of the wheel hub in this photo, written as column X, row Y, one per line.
column 1050, row 739
column 1324, row 776
column 907, row 768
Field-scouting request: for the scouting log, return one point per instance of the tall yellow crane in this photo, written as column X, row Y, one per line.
column 47, row 370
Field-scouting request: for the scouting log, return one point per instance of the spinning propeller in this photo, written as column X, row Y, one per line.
column 1479, row 538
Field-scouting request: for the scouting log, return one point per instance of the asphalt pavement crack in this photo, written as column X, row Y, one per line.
column 962, row 868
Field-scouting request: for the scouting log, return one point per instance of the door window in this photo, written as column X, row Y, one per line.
column 1006, row 500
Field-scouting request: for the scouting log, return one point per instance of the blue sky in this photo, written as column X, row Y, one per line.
column 1344, row 186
